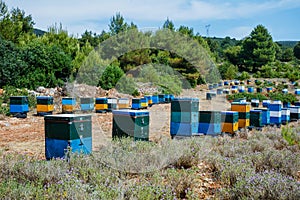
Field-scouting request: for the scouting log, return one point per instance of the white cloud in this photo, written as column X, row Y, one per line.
column 239, row 32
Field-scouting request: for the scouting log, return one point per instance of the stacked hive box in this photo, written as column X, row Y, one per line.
column 210, row 87
column 269, row 89
column 275, row 112
column 256, row 118
column 144, row 102
column 229, row 121
column 265, row 116
column 155, row 99
column 68, row 105
column 112, row 104
column 285, row 91
column 234, row 89
column 184, row 116
column 255, row 103
column 209, row 122
column 161, row 98
column 44, row 105
column 123, row 103
column 286, row 104
column 168, row 98
column 241, row 89
column 226, row 83
column 248, row 82
column 215, row 85
column 295, row 112
column 285, row 115
column 149, row 99
column 136, row 104
column 220, row 84
column 297, row 103
column 236, row 82
column 67, row 131
column 87, row 104
column 297, row 91
column 266, row 103
column 18, row 106
column 226, row 91
column 101, row 105
column 131, row 123
column 244, row 113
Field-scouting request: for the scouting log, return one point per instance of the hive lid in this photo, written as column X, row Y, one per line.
column 131, row 112
column 44, row 97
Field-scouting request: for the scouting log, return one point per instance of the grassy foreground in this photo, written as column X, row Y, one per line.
column 256, row 166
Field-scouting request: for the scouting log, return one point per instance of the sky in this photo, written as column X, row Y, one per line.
column 233, row 18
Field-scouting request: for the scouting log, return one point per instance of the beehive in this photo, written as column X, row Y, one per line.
column 244, row 116
column 285, row 91
column 269, row 89
column 44, row 105
column 259, row 90
column 101, row 105
column 144, row 102
column 131, row 123
column 136, row 103
column 155, row 99
column 215, row 85
column 285, row 115
column 226, row 83
column 266, row 103
column 265, row 115
column 226, row 91
column 229, row 121
column 87, row 104
column 18, row 105
column 275, row 112
column 255, row 103
column 67, row 131
column 149, row 99
column 297, row 91
column 220, row 84
column 250, row 89
column 248, row 82
column 295, row 112
column 256, row 118
column 112, row 104
column 236, row 82
column 219, row 91
column 68, row 105
column 286, row 104
column 185, row 123
column 123, row 103
column 161, row 98
column 241, row 89
column 209, row 122
column 297, row 103
column 210, row 87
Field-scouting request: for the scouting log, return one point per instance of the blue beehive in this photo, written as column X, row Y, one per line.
column 295, row 112
column 226, row 83
column 161, row 98
column 275, row 112
column 266, row 103
column 254, row 102
column 241, row 89
column 297, row 91
column 209, row 122
column 87, row 104
column 269, row 89
column 285, row 115
column 286, row 104
column 250, row 89
column 215, row 85
column 67, row 132
column 136, row 103
column 297, row 103
column 155, row 99
column 19, row 105
column 265, row 115
column 285, row 91
column 220, row 84
column 68, row 101
column 210, row 87
column 219, row 91
column 184, row 116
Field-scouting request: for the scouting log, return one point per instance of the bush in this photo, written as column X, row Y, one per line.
column 110, row 77
column 244, row 76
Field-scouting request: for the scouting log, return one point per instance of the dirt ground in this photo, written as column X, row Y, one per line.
column 26, row 136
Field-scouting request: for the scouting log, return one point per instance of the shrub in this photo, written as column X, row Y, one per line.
column 110, row 77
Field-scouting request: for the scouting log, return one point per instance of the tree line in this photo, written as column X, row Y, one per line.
column 30, row 60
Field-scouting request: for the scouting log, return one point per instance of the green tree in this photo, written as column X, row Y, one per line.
column 110, row 76
column 118, row 25
column 233, row 54
column 186, row 31
column 258, row 49
column 297, row 50
column 287, row 55
column 168, row 24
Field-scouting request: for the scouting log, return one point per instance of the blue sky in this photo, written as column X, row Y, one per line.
column 234, row 18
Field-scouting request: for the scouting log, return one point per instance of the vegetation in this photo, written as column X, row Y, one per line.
column 264, row 166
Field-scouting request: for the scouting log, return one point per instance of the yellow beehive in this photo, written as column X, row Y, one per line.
column 240, row 107
column 229, row 127
column 68, row 108
column 243, row 123
column 44, row 108
column 101, row 106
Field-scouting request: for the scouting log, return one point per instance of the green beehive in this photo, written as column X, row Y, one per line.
column 68, row 126
column 244, row 115
column 185, row 105
column 131, row 123
column 256, row 118
column 210, row 116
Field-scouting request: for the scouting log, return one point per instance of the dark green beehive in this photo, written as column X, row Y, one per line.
column 68, row 126
column 209, row 116
column 185, row 105
column 229, row 116
column 131, row 123
column 256, row 118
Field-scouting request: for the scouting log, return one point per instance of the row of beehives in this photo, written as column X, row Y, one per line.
column 69, row 131
column 19, row 104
